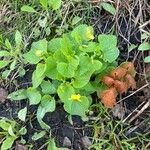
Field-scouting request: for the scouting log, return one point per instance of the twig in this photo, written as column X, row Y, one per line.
column 133, row 112
column 141, row 111
column 134, row 92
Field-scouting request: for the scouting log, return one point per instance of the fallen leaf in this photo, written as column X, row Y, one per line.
column 108, row 97
column 120, row 86
column 3, row 95
column 131, row 83
column 118, row 73
column 108, row 81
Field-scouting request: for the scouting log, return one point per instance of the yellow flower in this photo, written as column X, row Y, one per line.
column 76, row 97
column 89, row 34
column 38, row 53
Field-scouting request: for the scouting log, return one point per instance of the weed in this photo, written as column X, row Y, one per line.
column 12, row 56
column 68, row 63
column 9, row 132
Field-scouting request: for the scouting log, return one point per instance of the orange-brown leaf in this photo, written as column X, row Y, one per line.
column 108, row 81
column 108, row 97
column 118, row 73
column 131, row 83
column 120, row 86
column 129, row 66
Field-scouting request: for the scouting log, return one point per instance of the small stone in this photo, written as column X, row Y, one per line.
column 3, row 95
column 67, row 142
column 20, row 146
column 118, row 111
column 86, row 142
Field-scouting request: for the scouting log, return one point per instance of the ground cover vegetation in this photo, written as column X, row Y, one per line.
column 74, row 75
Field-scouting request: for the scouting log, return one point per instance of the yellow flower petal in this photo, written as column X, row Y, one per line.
column 38, row 53
column 89, row 34
column 76, row 97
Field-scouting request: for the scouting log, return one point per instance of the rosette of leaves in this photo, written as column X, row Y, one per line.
column 65, row 66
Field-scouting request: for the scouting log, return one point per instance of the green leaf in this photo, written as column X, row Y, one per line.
column 40, row 114
column 44, row 3
column 38, row 50
column 83, row 33
column 52, row 146
column 91, row 47
column 11, row 132
column 65, row 91
column 86, row 68
column 51, row 70
column 38, row 75
column 85, row 64
column 42, row 22
column 13, row 65
column 48, row 87
column 6, row 73
column 39, row 135
column 40, row 45
column 27, row 8
column 59, row 56
column 81, row 80
column 17, row 95
column 108, row 46
column 48, row 103
column 22, row 71
column 79, row 107
column 4, row 125
column 8, row 142
column 54, row 45
column 67, row 46
column 108, row 7
column 33, row 95
column 147, row 59
column 4, row 63
column 22, row 114
column 18, row 38
column 65, row 69
column 75, row 20
column 144, row 46
column 131, row 47
column 97, row 65
column 31, row 57
column 55, row 4
column 23, row 131
column 8, row 44
column 88, row 88
column 4, row 53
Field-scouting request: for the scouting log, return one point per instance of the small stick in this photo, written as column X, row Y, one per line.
column 134, row 92
column 133, row 112
column 141, row 111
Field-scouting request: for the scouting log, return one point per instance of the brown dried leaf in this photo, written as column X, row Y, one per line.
column 3, row 95
column 108, row 97
column 129, row 66
column 131, row 83
column 118, row 73
column 108, row 81
column 120, row 86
